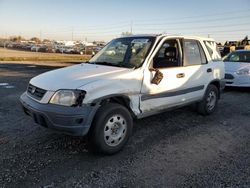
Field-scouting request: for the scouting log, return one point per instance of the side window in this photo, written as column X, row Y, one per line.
column 192, row 53
column 162, row 49
column 167, row 56
column 234, row 57
column 213, row 50
column 203, row 56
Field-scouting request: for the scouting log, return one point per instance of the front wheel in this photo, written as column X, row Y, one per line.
column 111, row 128
column 209, row 103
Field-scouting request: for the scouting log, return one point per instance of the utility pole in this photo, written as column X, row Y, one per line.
column 5, row 39
column 131, row 27
column 41, row 35
column 72, row 33
column 85, row 45
column 208, row 36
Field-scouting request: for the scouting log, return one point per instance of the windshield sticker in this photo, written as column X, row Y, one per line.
column 140, row 41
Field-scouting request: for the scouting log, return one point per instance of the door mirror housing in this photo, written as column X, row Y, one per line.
column 157, row 77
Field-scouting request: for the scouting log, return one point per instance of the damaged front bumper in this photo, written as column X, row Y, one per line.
column 74, row 121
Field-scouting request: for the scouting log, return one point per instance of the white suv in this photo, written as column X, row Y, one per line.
column 131, row 77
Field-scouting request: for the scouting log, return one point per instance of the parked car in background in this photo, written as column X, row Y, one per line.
column 35, row 48
column 65, row 49
column 70, row 50
column 43, row 48
column 229, row 46
column 51, row 49
column 237, row 68
column 131, row 77
column 27, row 47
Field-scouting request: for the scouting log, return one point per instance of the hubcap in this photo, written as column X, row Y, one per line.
column 211, row 100
column 115, row 130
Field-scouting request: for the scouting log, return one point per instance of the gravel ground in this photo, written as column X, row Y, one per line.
column 174, row 149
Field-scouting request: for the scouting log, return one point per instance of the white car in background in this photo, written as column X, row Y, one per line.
column 237, row 68
column 35, row 48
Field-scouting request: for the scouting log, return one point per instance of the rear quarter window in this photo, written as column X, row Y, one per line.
column 213, row 50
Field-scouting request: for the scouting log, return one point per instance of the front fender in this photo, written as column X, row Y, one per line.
column 108, row 88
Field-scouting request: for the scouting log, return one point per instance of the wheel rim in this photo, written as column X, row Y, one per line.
column 211, row 100
column 115, row 130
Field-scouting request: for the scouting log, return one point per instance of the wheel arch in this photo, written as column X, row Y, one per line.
column 116, row 98
column 216, row 83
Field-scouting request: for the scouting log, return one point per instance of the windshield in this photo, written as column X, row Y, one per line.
column 127, row 52
column 242, row 56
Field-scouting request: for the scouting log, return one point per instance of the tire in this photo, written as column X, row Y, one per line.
column 210, row 101
column 111, row 129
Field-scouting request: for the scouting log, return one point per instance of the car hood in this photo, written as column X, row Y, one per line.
column 76, row 76
column 235, row 66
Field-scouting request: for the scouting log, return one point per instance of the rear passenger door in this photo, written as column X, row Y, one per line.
column 196, row 63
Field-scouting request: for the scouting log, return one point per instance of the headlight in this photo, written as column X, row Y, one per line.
column 68, row 97
column 244, row 71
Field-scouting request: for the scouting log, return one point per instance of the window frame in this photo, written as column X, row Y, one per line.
column 202, row 49
column 180, row 53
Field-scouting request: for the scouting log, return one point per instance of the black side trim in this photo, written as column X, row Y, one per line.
column 171, row 93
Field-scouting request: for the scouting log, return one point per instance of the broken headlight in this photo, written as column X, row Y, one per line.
column 68, row 97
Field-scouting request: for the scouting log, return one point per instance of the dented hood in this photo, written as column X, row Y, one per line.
column 75, row 76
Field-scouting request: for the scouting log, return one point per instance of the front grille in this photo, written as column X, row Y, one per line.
column 36, row 92
column 229, row 76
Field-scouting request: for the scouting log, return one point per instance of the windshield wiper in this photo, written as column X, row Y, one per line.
column 120, row 64
column 126, row 65
column 103, row 63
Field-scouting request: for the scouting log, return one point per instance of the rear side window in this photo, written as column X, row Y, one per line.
column 213, row 50
column 193, row 54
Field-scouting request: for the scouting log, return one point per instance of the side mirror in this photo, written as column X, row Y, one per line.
column 157, row 77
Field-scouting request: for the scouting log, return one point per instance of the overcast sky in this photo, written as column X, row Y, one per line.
column 104, row 20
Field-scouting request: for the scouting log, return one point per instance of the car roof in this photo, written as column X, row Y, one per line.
column 170, row 36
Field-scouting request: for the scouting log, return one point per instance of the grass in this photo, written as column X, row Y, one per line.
column 17, row 55
column 43, row 58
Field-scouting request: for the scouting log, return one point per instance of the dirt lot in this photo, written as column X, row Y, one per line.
column 173, row 149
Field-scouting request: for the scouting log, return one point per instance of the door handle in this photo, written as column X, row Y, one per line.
column 180, row 75
column 209, row 70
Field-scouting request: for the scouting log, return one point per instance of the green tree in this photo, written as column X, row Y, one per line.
column 126, row 34
column 46, row 40
column 16, row 38
column 36, row 39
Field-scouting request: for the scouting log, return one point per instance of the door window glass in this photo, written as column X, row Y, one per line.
column 192, row 53
column 167, row 56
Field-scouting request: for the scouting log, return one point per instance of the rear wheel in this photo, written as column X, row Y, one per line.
column 111, row 128
column 209, row 103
